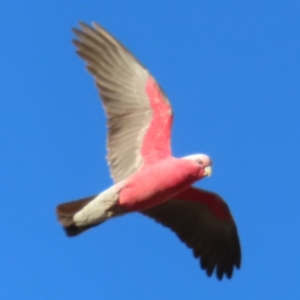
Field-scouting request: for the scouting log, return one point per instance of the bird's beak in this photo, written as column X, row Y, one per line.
column 208, row 171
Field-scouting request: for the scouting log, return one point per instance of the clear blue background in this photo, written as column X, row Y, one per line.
column 231, row 70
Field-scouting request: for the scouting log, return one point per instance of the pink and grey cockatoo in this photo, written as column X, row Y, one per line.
column 147, row 178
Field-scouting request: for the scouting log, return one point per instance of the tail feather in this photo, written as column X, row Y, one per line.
column 74, row 230
column 66, row 211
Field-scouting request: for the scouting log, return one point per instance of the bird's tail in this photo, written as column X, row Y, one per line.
column 66, row 211
column 78, row 216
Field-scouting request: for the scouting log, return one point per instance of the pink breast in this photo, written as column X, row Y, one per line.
column 157, row 183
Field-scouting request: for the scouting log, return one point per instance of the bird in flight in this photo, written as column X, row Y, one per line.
column 147, row 178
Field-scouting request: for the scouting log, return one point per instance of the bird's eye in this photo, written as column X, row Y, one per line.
column 200, row 162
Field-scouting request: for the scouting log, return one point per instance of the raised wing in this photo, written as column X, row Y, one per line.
column 202, row 221
column 139, row 114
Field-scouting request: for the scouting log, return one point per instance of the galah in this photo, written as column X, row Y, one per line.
column 147, row 178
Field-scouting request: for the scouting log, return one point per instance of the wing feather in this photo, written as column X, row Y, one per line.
column 130, row 102
column 202, row 221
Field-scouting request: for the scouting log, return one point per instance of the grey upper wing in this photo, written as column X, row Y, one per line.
column 121, row 80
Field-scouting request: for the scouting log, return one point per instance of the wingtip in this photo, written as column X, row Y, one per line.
column 220, row 270
column 96, row 25
column 238, row 264
column 83, row 24
column 83, row 27
column 77, row 32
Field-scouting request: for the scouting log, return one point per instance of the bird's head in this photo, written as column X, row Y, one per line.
column 203, row 162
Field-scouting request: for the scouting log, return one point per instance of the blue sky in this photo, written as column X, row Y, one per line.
column 231, row 71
